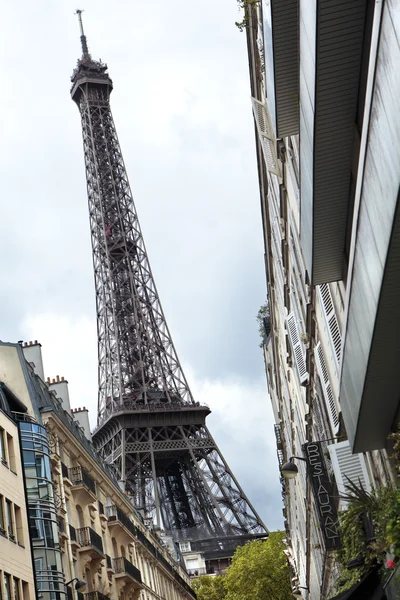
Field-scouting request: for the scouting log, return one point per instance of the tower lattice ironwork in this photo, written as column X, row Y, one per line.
column 149, row 426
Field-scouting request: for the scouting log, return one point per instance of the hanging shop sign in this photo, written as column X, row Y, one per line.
column 322, row 489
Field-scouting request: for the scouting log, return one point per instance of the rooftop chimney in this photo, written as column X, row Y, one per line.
column 33, row 354
column 81, row 415
column 60, row 386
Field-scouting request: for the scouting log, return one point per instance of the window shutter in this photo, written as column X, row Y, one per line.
column 326, row 386
column 297, row 347
column 331, row 320
column 345, row 464
column 266, row 135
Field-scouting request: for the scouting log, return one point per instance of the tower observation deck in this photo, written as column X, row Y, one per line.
column 149, row 426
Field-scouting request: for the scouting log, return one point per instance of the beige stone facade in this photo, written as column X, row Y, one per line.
column 103, row 541
column 16, row 568
column 82, row 524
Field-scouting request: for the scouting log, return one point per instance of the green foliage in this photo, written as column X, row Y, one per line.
column 209, row 588
column 369, row 528
column 244, row 5
column 259, row 570
column 395, row 438
column 261, row 315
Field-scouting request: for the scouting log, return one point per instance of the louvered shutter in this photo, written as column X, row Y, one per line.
column 345, row 464
column 297, row 347
column 266, row 135
column 326, row 386
column 331, row 320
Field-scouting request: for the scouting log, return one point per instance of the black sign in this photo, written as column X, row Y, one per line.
column 322, row 488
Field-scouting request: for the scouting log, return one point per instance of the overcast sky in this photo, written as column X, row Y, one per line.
column 181, row 104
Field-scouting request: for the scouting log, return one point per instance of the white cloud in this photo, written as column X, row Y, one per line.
column 182, row 111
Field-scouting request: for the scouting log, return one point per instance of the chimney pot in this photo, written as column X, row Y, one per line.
column 62, row 378
column 58, row 377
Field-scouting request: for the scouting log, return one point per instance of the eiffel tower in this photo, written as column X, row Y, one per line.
column 149, row 426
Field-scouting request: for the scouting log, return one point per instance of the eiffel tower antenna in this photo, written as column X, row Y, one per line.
column 85, row 51
column 149, row 426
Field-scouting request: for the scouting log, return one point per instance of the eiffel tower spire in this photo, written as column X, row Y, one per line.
column 149, row 426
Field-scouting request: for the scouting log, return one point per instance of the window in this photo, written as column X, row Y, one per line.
column 16, row 589
column 25, row 590
column 18, row 524
column 192, row 563
column 11, row 453
column 184, row 546
column 2, row 523
column 7, row 586
column 3, row 456
column 38, row 572
column 10, row 521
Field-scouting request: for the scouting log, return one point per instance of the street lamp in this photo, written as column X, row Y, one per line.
column 289, row 470
column 80, row 584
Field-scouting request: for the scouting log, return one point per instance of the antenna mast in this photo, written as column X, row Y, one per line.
column 85, row 50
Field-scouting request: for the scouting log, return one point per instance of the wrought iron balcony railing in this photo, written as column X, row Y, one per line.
column 78, row 476
column 86, row 536
column 278, row 436
column 113, row 513
column 122, row 565
column 95, row 596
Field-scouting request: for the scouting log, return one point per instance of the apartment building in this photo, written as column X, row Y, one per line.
column 16, row 566
column 82, row 526
column 325, row 90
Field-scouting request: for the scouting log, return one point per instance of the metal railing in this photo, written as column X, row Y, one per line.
column 113, row 513
column 79, row 476
column 197, row 572
column 278, row 436
column 95, row 596
column 122, row 565
column 86, row 536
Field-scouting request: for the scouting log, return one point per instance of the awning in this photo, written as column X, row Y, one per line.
column 369, row 588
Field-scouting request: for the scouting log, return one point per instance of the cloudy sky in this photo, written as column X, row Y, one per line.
column 181, row 104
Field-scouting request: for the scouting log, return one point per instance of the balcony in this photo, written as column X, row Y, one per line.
column 125, row 573
column 119, row 524
column 90, row 544
column 278, row 436
column 197, row 572
column 95, row 596
column 83, row 486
